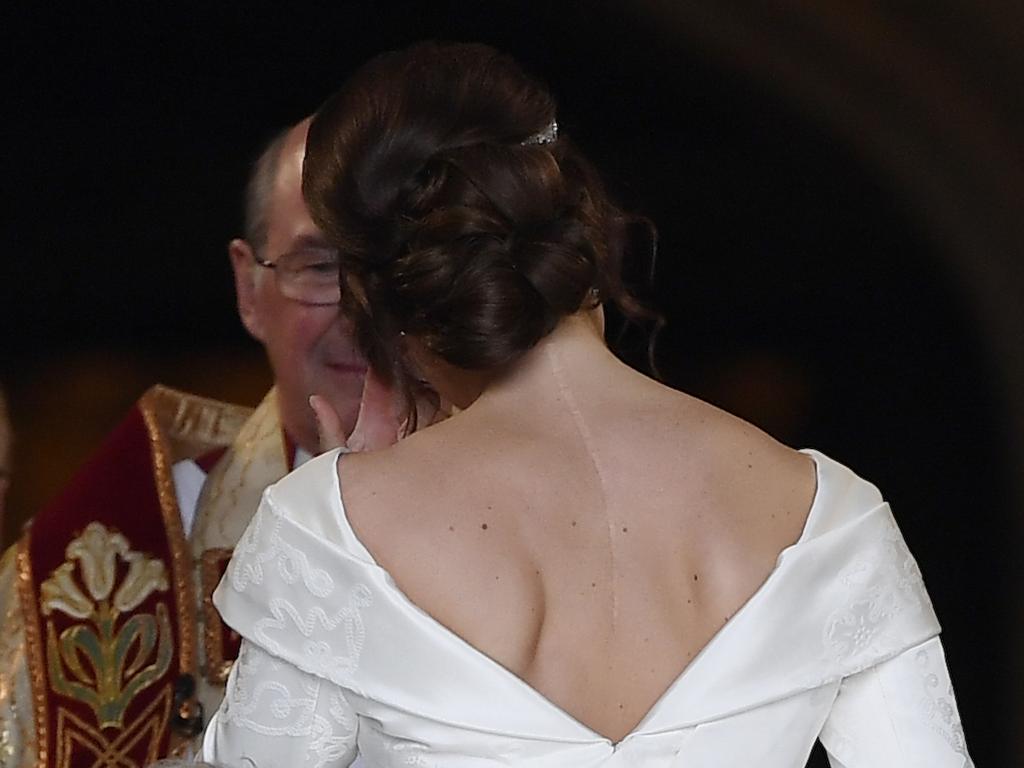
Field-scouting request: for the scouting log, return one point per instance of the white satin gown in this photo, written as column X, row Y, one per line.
column 840, row 643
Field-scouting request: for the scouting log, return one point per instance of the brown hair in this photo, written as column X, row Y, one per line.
column 455, row 221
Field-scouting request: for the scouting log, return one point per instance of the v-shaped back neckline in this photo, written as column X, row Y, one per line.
column 500, row 669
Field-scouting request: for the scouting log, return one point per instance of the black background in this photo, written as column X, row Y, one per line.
column 800, row 290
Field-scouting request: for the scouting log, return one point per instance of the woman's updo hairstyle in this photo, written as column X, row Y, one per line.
column 460, row 215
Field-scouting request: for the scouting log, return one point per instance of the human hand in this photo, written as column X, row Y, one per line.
column 378, row 423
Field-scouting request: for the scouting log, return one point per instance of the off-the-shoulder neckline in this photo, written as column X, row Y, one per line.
column 677, row 682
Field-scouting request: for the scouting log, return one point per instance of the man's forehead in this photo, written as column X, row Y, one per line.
column 289, row 164
column 310, row 241
column 288, row 215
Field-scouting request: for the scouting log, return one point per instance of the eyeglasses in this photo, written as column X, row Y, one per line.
column 309, row 275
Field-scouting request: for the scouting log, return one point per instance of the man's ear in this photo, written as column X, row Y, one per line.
column 243, row 263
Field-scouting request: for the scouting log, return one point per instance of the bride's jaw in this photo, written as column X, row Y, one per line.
column 461, row 387
column 458, row 386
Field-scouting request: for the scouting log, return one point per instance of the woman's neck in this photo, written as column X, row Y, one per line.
column 574, row 352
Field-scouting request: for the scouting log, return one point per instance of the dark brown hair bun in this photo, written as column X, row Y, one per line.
column 460, row 216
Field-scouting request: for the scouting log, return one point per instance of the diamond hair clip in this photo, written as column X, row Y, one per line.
column 547, row 136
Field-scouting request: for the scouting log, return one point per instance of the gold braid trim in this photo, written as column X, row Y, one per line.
column 78, row 738
column 34, row 647
column 193, row 424
column 184, row 590
column 181, row 425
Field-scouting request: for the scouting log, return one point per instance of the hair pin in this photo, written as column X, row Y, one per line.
column 546, row 136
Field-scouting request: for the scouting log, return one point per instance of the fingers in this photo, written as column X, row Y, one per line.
column 328, row 424
column 377, row 425
column 429, row 408
column 379, row 422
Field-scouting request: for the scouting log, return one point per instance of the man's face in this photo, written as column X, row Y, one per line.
column 310, row 346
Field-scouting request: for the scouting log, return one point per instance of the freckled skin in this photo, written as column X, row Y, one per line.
column 665, row 468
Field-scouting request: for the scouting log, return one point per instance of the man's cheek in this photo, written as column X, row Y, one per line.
column 302, row 329
column 316, row 328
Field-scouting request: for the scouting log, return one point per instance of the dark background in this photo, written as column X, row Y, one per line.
column 832, row 253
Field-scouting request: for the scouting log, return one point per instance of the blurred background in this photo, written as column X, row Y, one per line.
column 838, row 188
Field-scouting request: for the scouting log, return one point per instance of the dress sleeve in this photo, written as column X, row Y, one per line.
column 273, row 714
column 287, row 594
column 899, row 713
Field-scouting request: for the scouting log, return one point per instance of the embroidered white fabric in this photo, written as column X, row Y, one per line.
column 274, row 705
column 840, row 643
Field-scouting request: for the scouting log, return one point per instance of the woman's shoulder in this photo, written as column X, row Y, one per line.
column 773, row 494
column 748, row 469
column 309, row 498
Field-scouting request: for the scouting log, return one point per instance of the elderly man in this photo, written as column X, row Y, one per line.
column 111, row 652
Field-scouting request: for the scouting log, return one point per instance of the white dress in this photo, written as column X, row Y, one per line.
column 840, row 643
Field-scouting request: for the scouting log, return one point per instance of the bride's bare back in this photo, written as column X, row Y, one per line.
column 585, row 527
